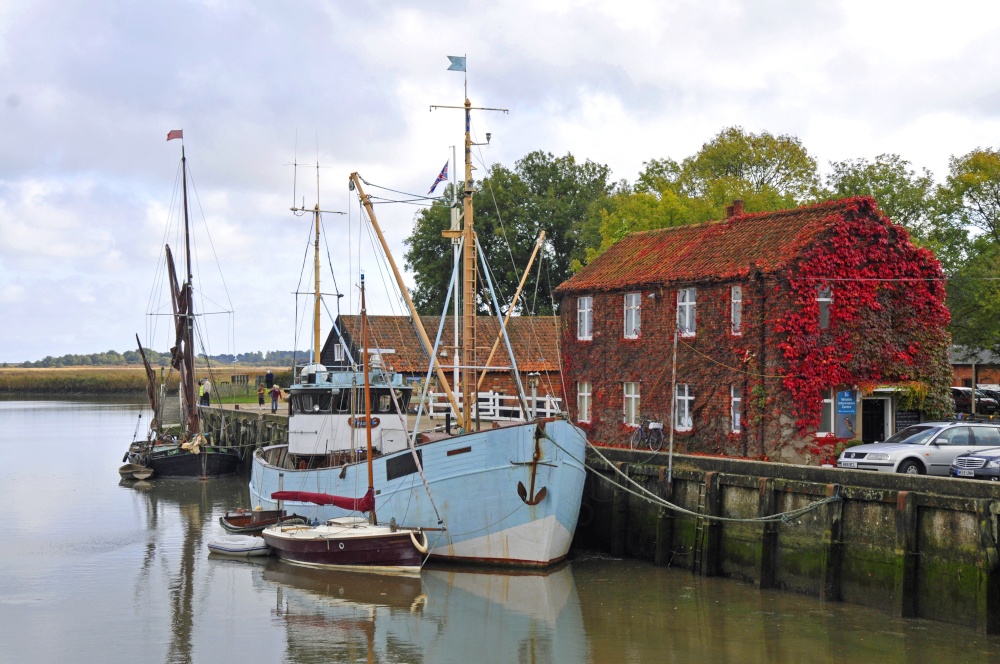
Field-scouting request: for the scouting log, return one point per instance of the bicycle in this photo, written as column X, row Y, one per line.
column 648, row 433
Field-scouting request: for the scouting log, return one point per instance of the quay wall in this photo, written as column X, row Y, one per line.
column 247, row 429
column 913, row 545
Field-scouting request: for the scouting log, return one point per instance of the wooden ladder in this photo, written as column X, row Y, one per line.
column 699, row 531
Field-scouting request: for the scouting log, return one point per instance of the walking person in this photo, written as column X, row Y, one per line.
column 206, row 392
column 260, row 396
column 275, row 395
column 201, row 392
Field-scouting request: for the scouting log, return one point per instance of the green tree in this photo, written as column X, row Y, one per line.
column 974, row 298
column 973, row 191
column 543, row 192
column 905, row 195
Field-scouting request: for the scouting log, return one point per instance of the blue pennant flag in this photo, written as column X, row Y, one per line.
column 442, row 176
column 457, row 63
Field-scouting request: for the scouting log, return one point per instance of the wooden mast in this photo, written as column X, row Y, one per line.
column 368, row 396
column 468, row 284
column 316, row 304
column 191, row 415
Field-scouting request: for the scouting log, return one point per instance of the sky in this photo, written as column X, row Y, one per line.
column 89, row 90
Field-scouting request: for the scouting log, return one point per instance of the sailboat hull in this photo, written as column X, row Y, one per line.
column 473, row 480
column 172, row 461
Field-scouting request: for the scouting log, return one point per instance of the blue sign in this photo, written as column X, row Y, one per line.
column 847, row 403
column 847, row 415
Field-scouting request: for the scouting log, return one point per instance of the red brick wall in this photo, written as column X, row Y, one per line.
column 987, row 374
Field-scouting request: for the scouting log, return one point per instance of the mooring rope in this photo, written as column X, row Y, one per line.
column 646, row 494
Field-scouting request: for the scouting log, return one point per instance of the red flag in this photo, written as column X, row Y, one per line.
column 175, row 133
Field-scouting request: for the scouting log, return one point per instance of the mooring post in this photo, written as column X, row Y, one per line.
column 619, row 514
column 767, row 501
column 907, row 563
column 988, row 591
column 833, row 546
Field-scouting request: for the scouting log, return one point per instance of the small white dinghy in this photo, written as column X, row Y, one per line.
column 239, row 545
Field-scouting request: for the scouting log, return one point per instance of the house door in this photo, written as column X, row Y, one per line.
column 872, row 420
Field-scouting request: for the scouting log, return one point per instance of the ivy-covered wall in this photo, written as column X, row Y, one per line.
column 887, row 326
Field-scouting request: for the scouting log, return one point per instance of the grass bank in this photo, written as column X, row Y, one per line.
column 121, row 380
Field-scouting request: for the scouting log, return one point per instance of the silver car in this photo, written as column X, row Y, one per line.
column 926, row 448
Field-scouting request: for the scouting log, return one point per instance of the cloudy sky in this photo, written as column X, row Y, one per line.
column 88, row 91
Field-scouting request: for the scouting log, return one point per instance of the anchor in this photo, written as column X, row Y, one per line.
column 528, row 495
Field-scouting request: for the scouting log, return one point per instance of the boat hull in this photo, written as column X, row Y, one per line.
column 247, row 522
column 473, row 480
column 240, row 546
column 174, row 462
column 337, row 547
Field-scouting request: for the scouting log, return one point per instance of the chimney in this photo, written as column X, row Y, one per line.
column 737, row 207
column 730, row 209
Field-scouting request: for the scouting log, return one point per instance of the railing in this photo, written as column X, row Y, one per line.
column 493, row 406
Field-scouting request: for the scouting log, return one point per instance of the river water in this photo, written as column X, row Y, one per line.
column 97, row 570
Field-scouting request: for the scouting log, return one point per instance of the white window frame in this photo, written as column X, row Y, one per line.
column 824, row 299
column 633, row 315
column 583, row 400
column 736, row 311
column 829, row 406
column 686, row 301
column 338, row 352
column 683, row 408
column 630, row 403
column 585, row 318
column 736, row 408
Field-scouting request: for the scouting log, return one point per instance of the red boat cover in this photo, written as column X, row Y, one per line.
column 354, row 504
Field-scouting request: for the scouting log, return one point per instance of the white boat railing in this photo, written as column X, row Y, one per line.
column 495, row 407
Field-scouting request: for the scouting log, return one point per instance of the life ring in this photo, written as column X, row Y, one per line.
column 422, row 548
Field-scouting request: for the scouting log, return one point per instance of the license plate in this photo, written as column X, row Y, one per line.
column 848, row 464
column 965, row 472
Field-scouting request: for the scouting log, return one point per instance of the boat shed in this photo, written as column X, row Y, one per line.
column 796, row 331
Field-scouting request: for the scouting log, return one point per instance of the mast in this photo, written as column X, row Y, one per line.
column 468, row 284
column 368, row 396
column 193, row 424
column 316, row 303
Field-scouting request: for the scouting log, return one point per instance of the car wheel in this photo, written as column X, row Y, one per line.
column 911, row 467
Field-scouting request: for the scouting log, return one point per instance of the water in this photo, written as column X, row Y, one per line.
column 93, row 570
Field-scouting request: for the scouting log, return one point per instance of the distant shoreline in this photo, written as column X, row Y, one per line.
column 114, row 379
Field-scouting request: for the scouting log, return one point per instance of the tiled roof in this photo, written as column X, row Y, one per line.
column 720, row 250
column 533, row 338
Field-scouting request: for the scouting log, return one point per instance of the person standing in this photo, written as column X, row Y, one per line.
column 275, row 395
column 260, row 396
column 201, row 392
column 269, row 379
column 206, row 395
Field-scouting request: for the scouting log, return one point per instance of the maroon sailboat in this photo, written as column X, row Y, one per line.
column 349, row 542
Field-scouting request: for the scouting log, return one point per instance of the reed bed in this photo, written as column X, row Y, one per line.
column 118, row 380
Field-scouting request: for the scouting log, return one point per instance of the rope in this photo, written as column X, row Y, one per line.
column 783, row 517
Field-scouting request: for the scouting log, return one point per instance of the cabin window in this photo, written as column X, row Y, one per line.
column 632, row 304
column 384, row 401
column 585, row 318
column 736, row 310
column 685, row 312
column 631, row 405
column 736, row 407
column 583, row 401
column 824, row 297
column 338, row 352
column 683, row 412
column 826, row 421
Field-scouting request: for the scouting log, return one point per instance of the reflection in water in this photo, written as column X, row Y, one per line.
column 446, row 615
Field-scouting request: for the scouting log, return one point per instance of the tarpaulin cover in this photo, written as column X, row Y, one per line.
column 354, row 504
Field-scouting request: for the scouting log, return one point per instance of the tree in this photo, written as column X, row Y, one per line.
column 974, row 299
column 973, row 190
column 763, row 169
column 543, row 192
column 907, row 197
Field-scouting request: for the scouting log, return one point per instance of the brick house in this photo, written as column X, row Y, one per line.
column 985, row 364
column 796, row 329
column 534, row 340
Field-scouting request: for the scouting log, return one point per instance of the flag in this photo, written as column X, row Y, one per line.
column 457, row 63
column 442, row 176
column 175, row 133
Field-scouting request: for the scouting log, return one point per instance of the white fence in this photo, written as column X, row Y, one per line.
column 496, row 407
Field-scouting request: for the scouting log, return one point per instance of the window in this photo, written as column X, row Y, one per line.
column 955, row 436
column 736, row 407
column 585, row 318
column 685, row 312
column 736, row 310
column 583, row 401
column 338, row 353
column 824, row 297
column 826, row 415
column 683, row 412
column 631, row 410
column 632, row 303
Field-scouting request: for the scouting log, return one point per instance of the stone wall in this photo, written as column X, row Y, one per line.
column 916, row 546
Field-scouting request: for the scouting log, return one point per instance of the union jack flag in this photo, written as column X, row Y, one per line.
column 440, row 178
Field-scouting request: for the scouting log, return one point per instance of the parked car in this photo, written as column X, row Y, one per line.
column 981, row 465
column 925, row 448
column 992, row 392
column 985, row 405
